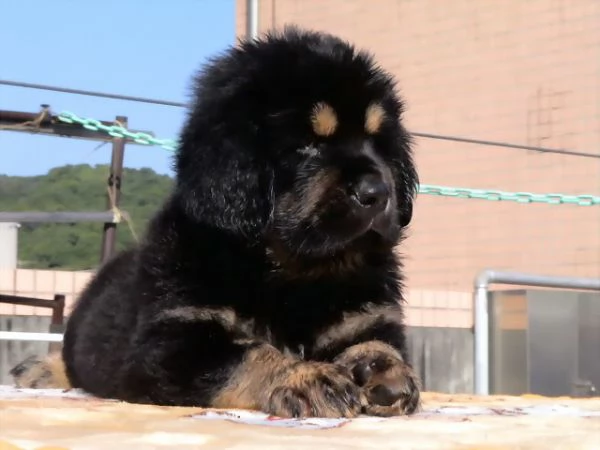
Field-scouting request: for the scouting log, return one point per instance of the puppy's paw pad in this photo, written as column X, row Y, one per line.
column 389, row 384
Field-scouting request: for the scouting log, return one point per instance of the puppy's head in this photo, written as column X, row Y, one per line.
column 297, row 139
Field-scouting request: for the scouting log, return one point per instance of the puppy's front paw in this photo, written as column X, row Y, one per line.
column 316, row 390
column 390, row 385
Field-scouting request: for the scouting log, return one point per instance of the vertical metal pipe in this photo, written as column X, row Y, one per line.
column 109, row 234
column 482, row 340
column 57, row 321
column 251, row 19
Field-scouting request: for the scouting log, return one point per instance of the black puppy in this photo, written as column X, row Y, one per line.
column 269, row 279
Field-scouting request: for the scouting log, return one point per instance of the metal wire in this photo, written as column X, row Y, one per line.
column 507, row 145
column 183, row 105
column 92, row 93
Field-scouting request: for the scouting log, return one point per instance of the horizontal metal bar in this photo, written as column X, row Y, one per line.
column 488, row 277
column 28, row 301
column 26, row 336
column 58, row 217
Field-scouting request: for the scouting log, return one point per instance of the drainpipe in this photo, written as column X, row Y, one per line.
column 252, row 19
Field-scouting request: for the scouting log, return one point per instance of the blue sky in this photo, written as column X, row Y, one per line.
column 146, row 48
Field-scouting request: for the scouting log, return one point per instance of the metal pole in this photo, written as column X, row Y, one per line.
column 252, row 19
column 482, row 340
column 57, row 321
column 114, row 185
column 482, row 283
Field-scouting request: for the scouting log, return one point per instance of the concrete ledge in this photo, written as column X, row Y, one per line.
column 33, row 419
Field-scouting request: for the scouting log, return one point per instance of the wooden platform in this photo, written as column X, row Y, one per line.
column 52, row 419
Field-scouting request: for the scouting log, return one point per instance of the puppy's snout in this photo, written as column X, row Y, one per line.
column 371, row 193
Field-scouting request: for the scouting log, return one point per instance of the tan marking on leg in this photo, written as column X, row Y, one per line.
column 252, row 381
column 269, row 381
column 226, row 317
column 357, row 322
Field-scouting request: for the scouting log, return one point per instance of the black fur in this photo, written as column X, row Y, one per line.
column 237, row 231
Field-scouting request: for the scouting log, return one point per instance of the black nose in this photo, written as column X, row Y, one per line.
column 371, row 192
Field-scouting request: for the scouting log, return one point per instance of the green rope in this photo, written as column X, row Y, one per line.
column 116, row 131
column 520, row 197
column 428, row 189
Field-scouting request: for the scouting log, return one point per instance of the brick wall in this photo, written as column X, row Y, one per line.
column 424, row 308
column 511, row 71
column 42, row 284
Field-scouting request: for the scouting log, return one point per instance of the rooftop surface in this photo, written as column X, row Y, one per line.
column 36, row 419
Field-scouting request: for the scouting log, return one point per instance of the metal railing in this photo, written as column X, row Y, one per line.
column 57, row 304
column 482, row 319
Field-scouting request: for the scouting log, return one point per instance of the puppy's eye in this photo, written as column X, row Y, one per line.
column 310, row 151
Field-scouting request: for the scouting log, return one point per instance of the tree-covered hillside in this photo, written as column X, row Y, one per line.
column 77, row 188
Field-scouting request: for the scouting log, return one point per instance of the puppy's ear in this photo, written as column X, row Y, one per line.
column 406, row 214
column 407, row 181
column 222, row 179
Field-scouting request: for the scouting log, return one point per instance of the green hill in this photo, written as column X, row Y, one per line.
column 77, row 188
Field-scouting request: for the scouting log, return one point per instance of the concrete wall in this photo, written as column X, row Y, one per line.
column 441, row 356
column 439, row 325
column 13, row 352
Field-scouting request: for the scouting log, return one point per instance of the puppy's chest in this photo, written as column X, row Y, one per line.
column 293, row 321
column 294, row 335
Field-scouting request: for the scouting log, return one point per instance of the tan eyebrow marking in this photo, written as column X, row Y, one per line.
column 374, row 117
column 324, row 119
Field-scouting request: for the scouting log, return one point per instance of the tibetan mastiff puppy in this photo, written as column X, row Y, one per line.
column 268, row 280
